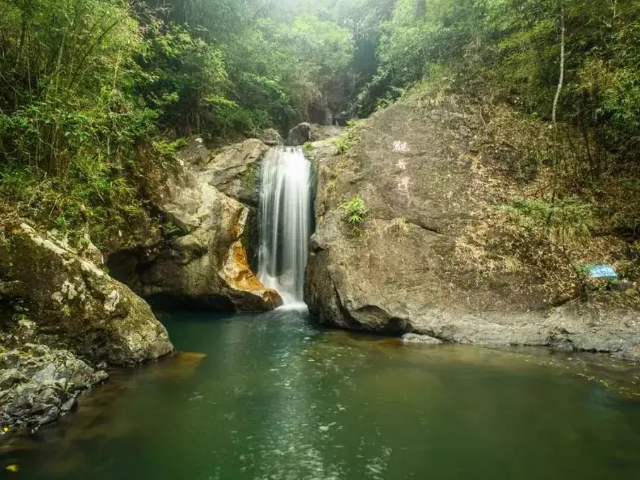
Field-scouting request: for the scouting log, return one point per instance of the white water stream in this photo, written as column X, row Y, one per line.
column 285, row 222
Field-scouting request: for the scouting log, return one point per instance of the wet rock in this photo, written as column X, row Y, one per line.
column 205, row 265
column 420, row 339
column 73, row 303
column 39, row 384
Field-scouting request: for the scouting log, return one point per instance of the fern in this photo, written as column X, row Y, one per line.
column 354, row 211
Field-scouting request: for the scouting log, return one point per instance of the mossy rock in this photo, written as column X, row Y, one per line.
column 72, row 300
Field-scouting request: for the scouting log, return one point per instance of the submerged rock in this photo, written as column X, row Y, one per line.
column 39, row 384
column 420, row 339
column 432, row 254
column 72, row 303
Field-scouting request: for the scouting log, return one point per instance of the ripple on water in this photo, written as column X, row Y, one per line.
column 274, row 397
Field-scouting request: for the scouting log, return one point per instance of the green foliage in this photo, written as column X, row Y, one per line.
column 170, row 230
column 342, row 145
column 510, row 49
column 307, row 149
column 169, row 148
column 88, row 84
column 562, row 221
column 92, row 199
column 354, row 211
column 69, row 124
column 182, row 76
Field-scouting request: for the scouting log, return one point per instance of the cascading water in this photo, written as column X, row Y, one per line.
column 285, row 222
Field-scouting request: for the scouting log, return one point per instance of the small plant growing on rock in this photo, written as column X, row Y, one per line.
column 307, row 149
column 354, row 211
column 561, row 224
column 342, row 145
column 170, row 230
column 350, row 137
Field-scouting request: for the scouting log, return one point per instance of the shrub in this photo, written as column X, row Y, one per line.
column 354, row 211
column 350, row 137
column 562, row 221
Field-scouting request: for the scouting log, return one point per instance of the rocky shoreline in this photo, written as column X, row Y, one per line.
column 435, row 254
column 39, row 384
column 63, row 321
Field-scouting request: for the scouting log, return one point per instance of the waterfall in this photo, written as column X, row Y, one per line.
column 285, row 221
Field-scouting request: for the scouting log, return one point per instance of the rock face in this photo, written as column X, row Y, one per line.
column 73, row 303
column 323, row 132
column 311, row 132
column 195, row 153
column 432, row 256
column 234, row 171
column 38, row 384
column 205, row 265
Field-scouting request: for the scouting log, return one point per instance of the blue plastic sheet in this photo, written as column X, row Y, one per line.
column 602, row 271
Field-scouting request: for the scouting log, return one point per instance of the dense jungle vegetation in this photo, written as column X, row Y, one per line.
column 97, row 94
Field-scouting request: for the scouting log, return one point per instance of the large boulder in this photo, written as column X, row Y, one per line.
column 434, row 255
column 271, row 137
column 234, row 170
column 74, row 304
column 204, row 264
column 299, row 135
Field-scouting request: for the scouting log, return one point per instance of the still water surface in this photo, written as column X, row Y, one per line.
column 271, row 397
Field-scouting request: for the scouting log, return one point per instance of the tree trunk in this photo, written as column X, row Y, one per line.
column 561, row 80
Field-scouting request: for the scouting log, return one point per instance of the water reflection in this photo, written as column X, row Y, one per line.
column 272, row 397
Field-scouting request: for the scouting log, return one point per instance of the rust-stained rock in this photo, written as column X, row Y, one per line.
column 239, row 276
column 205, row 265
